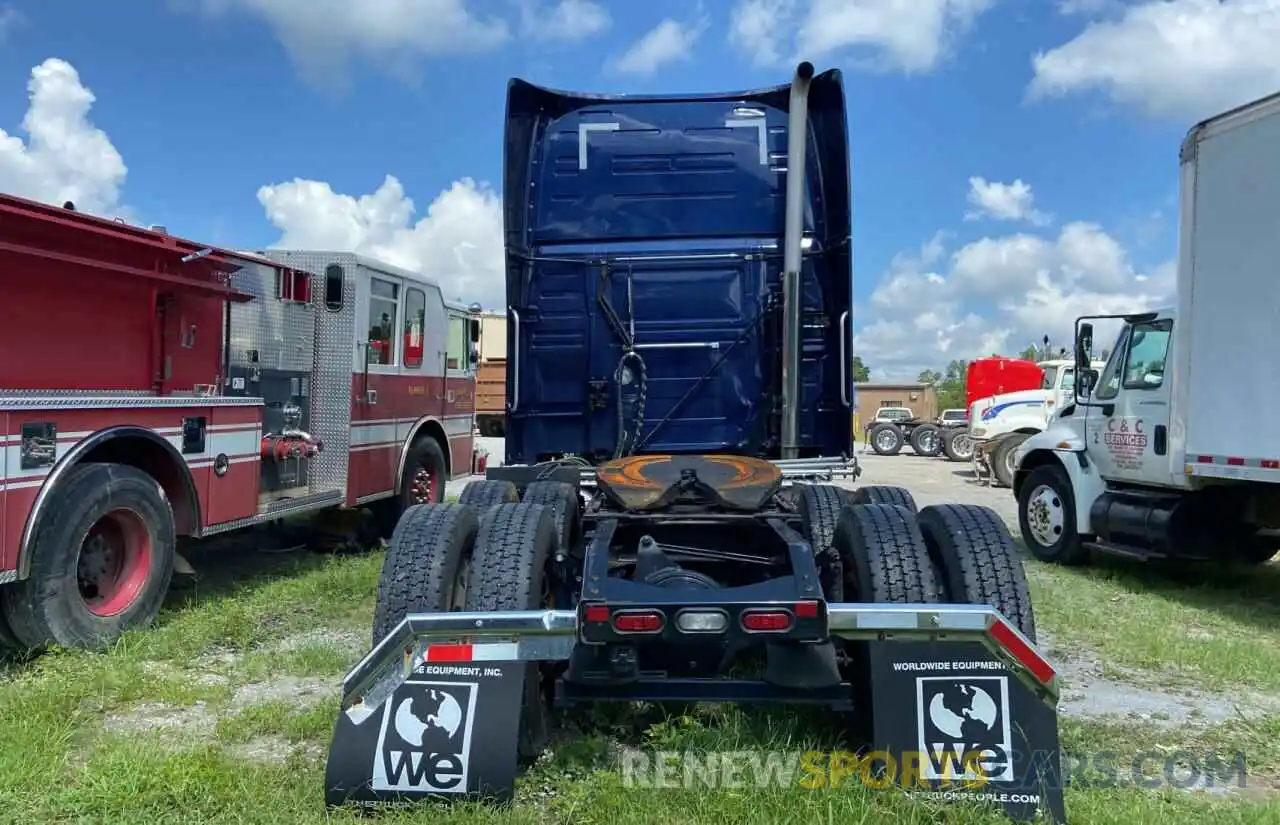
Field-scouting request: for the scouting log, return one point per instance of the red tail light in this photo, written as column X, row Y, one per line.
column 766, row 621
column 638, row 621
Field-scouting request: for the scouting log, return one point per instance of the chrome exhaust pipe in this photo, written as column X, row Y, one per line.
column 797, row 142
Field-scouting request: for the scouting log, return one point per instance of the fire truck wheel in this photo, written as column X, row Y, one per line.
column 427, row 565
column 102, row 566
column 884, row 494
column 422, row 482
column 512, row 550
column 565, row 505
column 884, row 556
column 975, row 553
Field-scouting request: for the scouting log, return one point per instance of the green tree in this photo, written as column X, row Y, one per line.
column 950, row 387
column 930, row 377
column 1030, row 354
column 860, row 371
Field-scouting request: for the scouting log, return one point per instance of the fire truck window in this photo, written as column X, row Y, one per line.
column 333, row 277
column 415, row 313
column 457, row 353
column 384, row 305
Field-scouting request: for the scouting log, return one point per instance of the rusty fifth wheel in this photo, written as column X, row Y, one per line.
column 102, row 566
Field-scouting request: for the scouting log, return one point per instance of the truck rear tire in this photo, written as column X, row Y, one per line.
column 886, row 439
column 487, row 492
column 566, row 508
column 978, row 562
column 1002, row 458
column 884, row 556
column 820, row 506
column 884, row 494
column 513, row 546
column 101, row 567
column 956, row 445
column 926, row 440
column 427, row 564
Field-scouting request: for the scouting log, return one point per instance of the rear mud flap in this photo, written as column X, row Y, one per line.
column 446, row 732
column 952, row 722
column 962, row 704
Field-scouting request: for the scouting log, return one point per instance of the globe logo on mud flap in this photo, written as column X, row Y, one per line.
column 964, row 728
column 424, row 745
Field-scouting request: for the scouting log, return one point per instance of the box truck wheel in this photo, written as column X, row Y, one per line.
column 566, row 508
column 427, row 566
column 1257, row 549
column 485, row 493
column 884, row 557
column 884, row 494
column 886, row 439
column 956, row 445
column 513, row 546
column 978, row 561
column 926, row 440
column 1047, row 517
column 102, row 566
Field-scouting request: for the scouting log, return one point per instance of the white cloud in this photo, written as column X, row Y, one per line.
column 65, row 157
column 1170, row 58
column 322, row 36
column 568, row 20
column 999, row 294
column 1004, row 201
column 458, row 242
column 668, row 42
column 912, row 37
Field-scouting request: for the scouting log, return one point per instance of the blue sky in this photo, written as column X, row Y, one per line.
column 1013, row 162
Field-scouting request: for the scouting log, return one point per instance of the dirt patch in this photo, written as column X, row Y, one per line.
column 197, row 720
column 301, row 691
column 1090, row 691
column 348, row 642
column 274, row 750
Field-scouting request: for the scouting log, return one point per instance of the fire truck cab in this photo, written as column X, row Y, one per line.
column 156, row 388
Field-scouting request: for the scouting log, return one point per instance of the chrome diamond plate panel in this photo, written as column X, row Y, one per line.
column 282, row 332
column 331, row 365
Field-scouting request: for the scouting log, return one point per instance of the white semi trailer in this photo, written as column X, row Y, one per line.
column 1144, row 463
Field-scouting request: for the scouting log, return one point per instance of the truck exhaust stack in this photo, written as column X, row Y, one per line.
column 797, row 139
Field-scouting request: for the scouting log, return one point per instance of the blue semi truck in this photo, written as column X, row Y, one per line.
column 665, row 528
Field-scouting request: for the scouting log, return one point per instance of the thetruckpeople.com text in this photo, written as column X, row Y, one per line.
column 965, row 776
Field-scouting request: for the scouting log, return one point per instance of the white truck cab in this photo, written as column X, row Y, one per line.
column 997, row 425
column 1142, row 462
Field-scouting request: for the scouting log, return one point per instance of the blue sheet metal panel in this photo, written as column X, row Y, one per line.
column 674, row 184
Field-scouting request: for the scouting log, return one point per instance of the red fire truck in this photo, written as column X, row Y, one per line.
column 151, row 387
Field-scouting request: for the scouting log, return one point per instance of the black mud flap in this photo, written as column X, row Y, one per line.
column 958, row 725
column 448, row 732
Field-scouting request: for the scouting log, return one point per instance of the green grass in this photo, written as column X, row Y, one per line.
column 73, row 746
column 1209, row 627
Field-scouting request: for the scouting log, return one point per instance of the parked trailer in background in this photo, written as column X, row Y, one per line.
column 491, row 375
column 154, row 388
column 1144, row 461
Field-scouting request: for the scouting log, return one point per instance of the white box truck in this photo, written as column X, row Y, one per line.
column 1172, row 450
